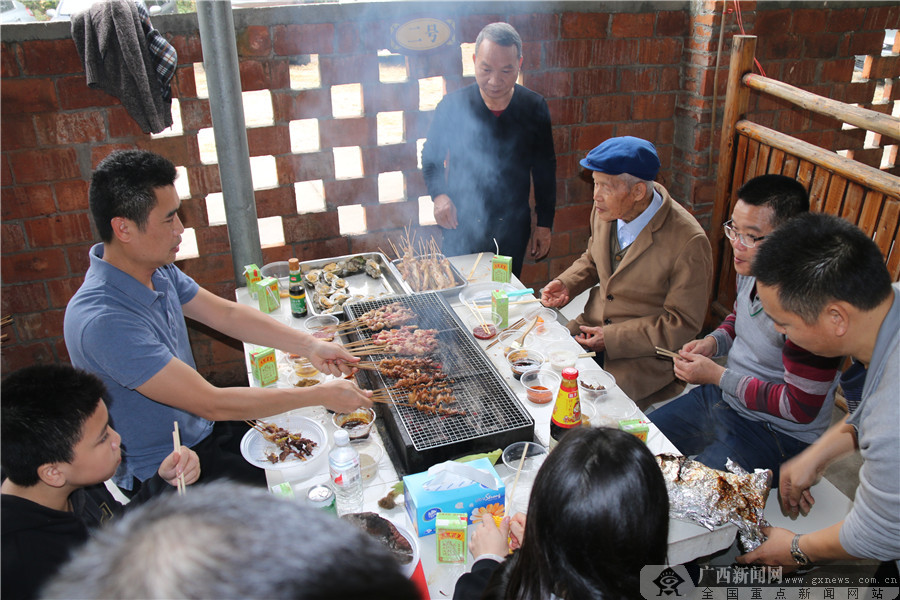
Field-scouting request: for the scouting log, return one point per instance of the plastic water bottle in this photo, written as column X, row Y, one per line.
column 343, row 463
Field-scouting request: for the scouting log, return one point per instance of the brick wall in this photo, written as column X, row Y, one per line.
column 643, row 69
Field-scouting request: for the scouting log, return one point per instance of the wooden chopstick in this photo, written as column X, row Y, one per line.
column 512, row 327
column 523, row 301
column 176, row 440
column 477, row 260
column 668, row 353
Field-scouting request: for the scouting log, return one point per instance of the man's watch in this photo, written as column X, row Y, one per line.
column 797, row 554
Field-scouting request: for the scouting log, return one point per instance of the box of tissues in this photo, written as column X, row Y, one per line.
column 473, row 488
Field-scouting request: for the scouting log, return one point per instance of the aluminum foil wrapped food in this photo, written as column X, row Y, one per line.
column 712, row 498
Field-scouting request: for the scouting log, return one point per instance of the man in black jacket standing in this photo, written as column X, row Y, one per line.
column 487, row 143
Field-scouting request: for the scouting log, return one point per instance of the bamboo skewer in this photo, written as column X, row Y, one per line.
column 472, row 272
column 523, row 301
column 512, row 327
column 176, row 440
column 519, row 471
column 668, row 353
column 5, row 321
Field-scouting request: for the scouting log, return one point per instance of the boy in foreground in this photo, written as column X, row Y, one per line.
column 57, row 450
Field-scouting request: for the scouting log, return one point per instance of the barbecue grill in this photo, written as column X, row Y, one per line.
column 494, row 416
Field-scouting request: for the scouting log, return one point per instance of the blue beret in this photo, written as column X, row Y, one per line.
column 624, row 155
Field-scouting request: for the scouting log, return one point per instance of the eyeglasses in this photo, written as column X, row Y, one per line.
column 749, row 241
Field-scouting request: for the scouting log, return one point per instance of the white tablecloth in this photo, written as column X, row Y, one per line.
column 686, row 540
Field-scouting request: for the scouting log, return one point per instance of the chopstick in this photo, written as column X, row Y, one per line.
column 472, row 272
column 176, row 440
column 524, row 301
column 587, row 355
column 512, row 327
column 668, row 353
column 519, row 471
column 484, row 324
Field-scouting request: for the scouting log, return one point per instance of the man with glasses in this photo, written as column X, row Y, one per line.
column 649, row 264
column 772, row 399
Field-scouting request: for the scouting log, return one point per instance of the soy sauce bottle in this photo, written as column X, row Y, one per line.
column 567, row 410
column 296, row 290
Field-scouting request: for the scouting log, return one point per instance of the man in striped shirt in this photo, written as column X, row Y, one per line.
column 773, row 398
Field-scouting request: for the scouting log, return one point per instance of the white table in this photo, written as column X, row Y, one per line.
column 687, row 541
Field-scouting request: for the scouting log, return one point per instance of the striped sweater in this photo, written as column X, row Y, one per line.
column 768, row 378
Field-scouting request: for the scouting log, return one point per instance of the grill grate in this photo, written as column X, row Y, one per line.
column 494, row 416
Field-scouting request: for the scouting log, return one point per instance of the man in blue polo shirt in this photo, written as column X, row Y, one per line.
column 126, row 325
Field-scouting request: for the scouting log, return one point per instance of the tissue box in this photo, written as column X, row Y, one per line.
column 252, row 277
column 474, row 500
column 263, row 366
column 268, row 294
column 501, row 268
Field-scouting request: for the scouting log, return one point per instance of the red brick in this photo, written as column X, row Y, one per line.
column 628, row 25
column 771, row 22
column 584, row 25
column 535, row 26
column 204, row 180
column 346, row 132
column 78, row 257
column 823, row 45
column 394, row 157
column 62, row 290
column 27, row 96
column 881, row 67
column 342, row 192
column 565, row 111
column 350, row 40
column 275, row 202
column 808, row 21
column 594, row 81
column 837, row 70
column 56, row 129
column 588, row 136
column 121, row 124
column 559, row 243
column 609, row 108
column 17, row 132
column 210, row 268
column 866, row 42
column 99, row 152
column 45, row 165
column 392, row 96
column 531, row 58
column 75, row 94
column 645, row 130
column 568, row 54
column 437, row 63
column 848, row 19
column 305, row 167
column 663, row 51
column 27, row 297
column 882, row 17
column 195, row 115
column 8, row 66
column 264, row 75
column 12, row 238
column 58, row 230
column 803, row 72
column 26, row 355
column 534, row 274
column 615, row 52
column 638, row 80
column 552, row 84
column 303, row 39
column 310, row 104
column 656, row 106
column 671, row 22
column 184, row 84
column 254, row 41
column 177, row 149
column 391, row 216
column 50, row 57
column 572, row 218
column 213, row 239
column 33, row 266
column 858, row 92
column 311, row 226
column 336, row 246
column 71, row 195
column 778, row 46
column 265, row 141
column 189, row 48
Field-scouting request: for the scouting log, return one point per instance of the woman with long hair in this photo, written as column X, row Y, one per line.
column 598, row 513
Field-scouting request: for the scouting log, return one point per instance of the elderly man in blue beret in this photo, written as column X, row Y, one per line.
column 649, row 266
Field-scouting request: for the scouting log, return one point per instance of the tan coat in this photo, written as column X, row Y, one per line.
column 657, row 297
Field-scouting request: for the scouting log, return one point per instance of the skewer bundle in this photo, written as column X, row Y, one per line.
column 426, row 269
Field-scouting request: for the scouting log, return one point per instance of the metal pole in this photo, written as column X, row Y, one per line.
column 223, row 78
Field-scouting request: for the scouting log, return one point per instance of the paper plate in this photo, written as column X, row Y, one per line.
column 254, row 446
column 409, row 568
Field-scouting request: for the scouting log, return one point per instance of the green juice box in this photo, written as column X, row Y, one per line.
column 450, row 532
column 501, row 268
column 500, row 305
column 264, row 366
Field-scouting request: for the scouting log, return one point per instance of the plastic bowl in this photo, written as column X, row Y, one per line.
column 546, row 322
column 357, row 423
column 594, row 384
column 301, row 365
column 589, row 415
column 370, row 455
column 540, row 385
column 524, row 359
column 507, row 337
column 534, row 456
column 278, row 269
column 484, row 325
column 561, row 355
column 321, row 326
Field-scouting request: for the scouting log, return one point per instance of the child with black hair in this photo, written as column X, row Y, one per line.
column 56, row 449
